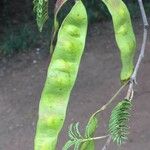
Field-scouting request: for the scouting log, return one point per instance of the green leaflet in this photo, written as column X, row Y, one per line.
column 90, row 145
column 61, row 76
column 91, row 127
column 77, row 141
column 118, row 123
column 89, row 132
column 75, row 137
column 69, row 144
column 124, row 34
column 41, row 10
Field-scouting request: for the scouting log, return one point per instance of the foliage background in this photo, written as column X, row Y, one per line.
column 18, row 30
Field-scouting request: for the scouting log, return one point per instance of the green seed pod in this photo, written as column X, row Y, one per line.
column 61, row 76
column 124, row 34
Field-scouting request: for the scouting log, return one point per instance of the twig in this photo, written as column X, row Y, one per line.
column 107, row 143
column 95, row 138
column 145, row 22
column 142, row 51
column 57, row 8
column 110, row 101
column 130, row 91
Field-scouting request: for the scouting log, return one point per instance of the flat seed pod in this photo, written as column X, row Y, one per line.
column 124, row 34
column 61, row 76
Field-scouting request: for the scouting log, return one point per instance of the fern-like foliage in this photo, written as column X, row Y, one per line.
column 75, row 137
column 41, row 10
column 77, row 140
column 118, row 123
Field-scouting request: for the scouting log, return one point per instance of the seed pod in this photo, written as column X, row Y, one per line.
column 124, row 34
column 61, row 76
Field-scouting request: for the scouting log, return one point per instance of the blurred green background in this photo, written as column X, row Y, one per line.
column 18, row 30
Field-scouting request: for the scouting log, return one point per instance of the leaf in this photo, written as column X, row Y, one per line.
column 89, row 132
column 41, row 10
column 118, row 123
column 74, row 132
column 70, row 132
column 75, row 137
column 76, row 129
column 68, row 145
column 91, row 127
column 77, row 145
column 90, row 145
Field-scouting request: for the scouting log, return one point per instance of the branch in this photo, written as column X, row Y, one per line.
column 146, row 25
column 145, row 22
column 133, row 81
column 107, row 143
column 142, row 51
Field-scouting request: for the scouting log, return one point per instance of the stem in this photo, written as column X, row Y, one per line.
column 130, row 92
column 110, row 101
column 57, row 8
column 145, row 22
column 107, row 143
column 141, row 56
column 95, row 138
column 142, row 51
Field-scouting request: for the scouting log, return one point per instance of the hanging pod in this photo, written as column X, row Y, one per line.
column 61, row 76
column 124, row 34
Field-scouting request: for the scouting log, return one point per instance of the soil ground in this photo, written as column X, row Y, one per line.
column 22, row 78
